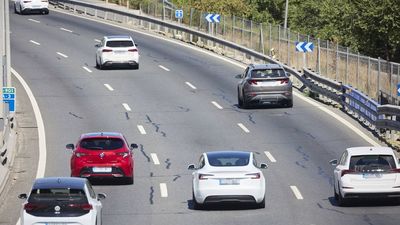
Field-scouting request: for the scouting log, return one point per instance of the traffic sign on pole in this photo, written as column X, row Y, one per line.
column 213, row 18
column 398, row 89
column 304, row 46
column 179, row 14
column 9, row 97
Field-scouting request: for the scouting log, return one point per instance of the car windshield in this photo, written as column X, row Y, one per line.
column 372, row 163
column 102, row 143
column 228, row 159
column 57, row 194
column 119, row 44
column 268, row 73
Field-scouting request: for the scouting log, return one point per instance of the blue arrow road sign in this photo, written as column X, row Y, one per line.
column 304, row 46
column 179, row 13
column 213, row 18
column 9, row 97
column 398, row 89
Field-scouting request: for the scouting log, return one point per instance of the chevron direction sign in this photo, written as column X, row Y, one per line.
column 304, row 46
column 213, row 18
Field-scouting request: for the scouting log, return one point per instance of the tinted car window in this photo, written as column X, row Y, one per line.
column 102, row 143
column 228, row 159
column 119, row 44
column 372, row 163
column 57, row 202
column 267, row 73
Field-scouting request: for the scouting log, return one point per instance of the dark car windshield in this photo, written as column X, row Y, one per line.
column 228, row 159
column 268, row 73
column 102, row 143
column 119, row 44
column 372, row 163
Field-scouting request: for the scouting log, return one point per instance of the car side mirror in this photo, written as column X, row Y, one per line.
column 263, row 166
column 101, row 196
column 70, row 146
column 136, row 45
column 133, row 146
column 191, row 167
column 23, row 196
column 97, row 45
column 239, row 76
column 288, row 74
column 333, row 162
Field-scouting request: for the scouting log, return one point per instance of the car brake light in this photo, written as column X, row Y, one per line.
column 80, row 154
column 344, row 172
column 132, row 50
column 123, row 154
column 251, row 82
column 204, row 176
column 30, row 206
column 285, row 81
column 107, row 50
column 254, row 175
column 86, row 206
column 395, row 170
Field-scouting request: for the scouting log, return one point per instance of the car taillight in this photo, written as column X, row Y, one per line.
column 254, row 175
column 107, row 50
column 31, row 206
column 344, row 172
column 132, row 50
column 285, row 81
column 27, row 1
column 80, row 154
column 205, row 176
column 395, row 170
column 252, row 82
column 123, row 154
column 86, row 206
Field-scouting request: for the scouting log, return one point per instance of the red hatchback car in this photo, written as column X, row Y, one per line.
column 102, row 155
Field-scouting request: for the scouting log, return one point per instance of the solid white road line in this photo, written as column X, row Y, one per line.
column 216, row 105
column 87, row 69
column 296, row 192
column 155, row 158
column 126, row 106
column 243, row 128
column 163, row 67
column 141, row 129
column 61, row 54
column 269, row 156
column 62, row 28
column 36, row 21
column 163, row 190
column 190, row 85
column 109, row 87
column 34, row 42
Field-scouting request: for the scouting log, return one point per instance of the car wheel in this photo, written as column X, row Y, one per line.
column 130, row 180
column 341, row 201
column 261, row 205
column 97, row 64
column 101, row 65
column 240, row 101
column 289, row 104
column 335, row 193
column 15, row 9
column 196, row 205
column 136, row 67
column 245, row 105
column 20, row 10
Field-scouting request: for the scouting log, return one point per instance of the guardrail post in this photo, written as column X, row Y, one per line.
column 378, row 79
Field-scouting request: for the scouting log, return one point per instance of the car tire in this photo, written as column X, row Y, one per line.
column 15, row 9
column 97, row 64
column 196, row 205
column 240, row 101
column 261, row 205
column 130, row 180
column 335, row 194
column 245, row 105
column 341, row 201
column 289, row 104
column 136, row 67
column 20, row 10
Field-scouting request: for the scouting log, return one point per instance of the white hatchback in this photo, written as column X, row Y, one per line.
column 366, row 172
column 61, row 200
column 117, row 50
column 30, row 6
column 228, row 176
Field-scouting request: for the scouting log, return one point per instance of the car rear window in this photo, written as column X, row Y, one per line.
column 372, row 163
column 268, row 73
column 58, row 194
column 119, row 44
column 102, row 143
column 228, row 159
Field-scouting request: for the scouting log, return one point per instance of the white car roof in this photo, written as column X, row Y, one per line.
column 370, row 151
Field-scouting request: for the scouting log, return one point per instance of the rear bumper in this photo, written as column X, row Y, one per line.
column 368, row 193
column 265, row 98
column 213, row 195
column 87, row 219
column 120, row 63
column 118, row 170
column 35, row 10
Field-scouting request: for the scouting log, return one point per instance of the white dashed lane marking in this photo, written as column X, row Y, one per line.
column 36, row 21
column 70, row 31
column 141, row 129
column 126, row 106
column 269, row 156
column 190, row 85
column 243, row 128
column 87, row 69
column 296, row 192
column 109, row 87
column 61, row 54
column 163, row 190
column 163, row 67
column 155, row 158
column 34, row 42
column 216, row 105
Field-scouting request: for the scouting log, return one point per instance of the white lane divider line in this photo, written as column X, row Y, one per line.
column 269, row 156
column 163, row 67
column 155, row 158
column 34, row 42
column 62, row 28
column 109, row 87
column 216, row 105
column 36, row 21
column 87, row 69
column 163, row 190
column 141, row 129
column 243, row 128
column 62, row 54
column 296, row 192
column 190, row 85
column 126, row 106
column 97, row 40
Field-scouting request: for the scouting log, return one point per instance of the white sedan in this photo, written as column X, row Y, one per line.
column 30, row 6
column 228, row 176
column 366, row 172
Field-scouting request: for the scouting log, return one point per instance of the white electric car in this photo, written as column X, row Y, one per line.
column 31, row 6
column 366, row 172
column 117, row 50
column 61, row 200
column 228, row 176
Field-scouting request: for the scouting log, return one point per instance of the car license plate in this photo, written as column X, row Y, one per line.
column 371, row 175
column 54, row 223
column 102, row 169
column 36, row 6
column 119, row 52
column 229, row 182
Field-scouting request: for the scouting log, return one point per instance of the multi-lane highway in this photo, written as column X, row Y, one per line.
column 180, row 103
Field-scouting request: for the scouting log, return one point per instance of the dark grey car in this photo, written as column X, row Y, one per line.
column 264, row 84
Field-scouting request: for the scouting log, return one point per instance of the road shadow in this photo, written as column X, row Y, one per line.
column 263, row 106
column 108, row 181
column 371, row 202
column 226, row 206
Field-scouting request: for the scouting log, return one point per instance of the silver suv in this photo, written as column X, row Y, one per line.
column 264, row 84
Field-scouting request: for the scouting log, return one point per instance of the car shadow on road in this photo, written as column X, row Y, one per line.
column 223, row 206
column 372, row 202
column 108, row 181
column 265, row 106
